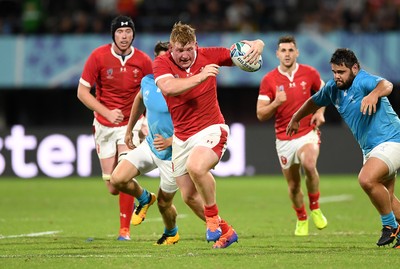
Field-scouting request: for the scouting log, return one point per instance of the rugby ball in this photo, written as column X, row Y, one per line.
column 238, row 50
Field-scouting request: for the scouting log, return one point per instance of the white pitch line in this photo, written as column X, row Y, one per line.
column 29, row 235
column 337, row 198
column 79, row 256
column 329, row 199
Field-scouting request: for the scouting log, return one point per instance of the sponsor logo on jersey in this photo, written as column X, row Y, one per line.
column 110, row 73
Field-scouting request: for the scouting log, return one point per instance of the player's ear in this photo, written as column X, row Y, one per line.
column 354, row 68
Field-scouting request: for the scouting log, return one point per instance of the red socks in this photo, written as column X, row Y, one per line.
column 126, row 209
column 314, row 197
column 301, row 213
column 211, row 211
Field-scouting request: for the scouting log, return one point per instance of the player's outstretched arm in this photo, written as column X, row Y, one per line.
column 307, row 108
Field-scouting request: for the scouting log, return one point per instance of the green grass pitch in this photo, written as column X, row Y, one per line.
column 73, row 223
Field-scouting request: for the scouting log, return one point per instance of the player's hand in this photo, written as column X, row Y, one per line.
column 115, row 116
column 161, row 143
column 256, row 49
column 368, row 104
column 280, row 96
column 128, row 140
column 292, row 127
column 318, row 119
column 210, row 70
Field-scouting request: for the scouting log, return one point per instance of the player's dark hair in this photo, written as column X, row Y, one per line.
column 119, row 22
column 344, row 56
column 287, row 39
column 160, row 46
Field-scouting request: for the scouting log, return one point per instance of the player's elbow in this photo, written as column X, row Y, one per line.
column 167, row 88
column 389, row 87
column 168, row 91
column 260, row 117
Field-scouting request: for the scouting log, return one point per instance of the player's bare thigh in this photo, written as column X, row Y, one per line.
column 201, row 160
column 382, row 163
column 124, row 172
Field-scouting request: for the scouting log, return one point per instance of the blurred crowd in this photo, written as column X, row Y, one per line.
column 94, row 16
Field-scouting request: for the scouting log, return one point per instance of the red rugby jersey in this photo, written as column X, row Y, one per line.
column 117, row 81
column 197, row 108
column 304, row 81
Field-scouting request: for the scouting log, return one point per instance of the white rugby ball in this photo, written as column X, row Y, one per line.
column 238, row 50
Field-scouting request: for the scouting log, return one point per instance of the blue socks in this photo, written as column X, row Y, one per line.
column 171, row 232
column 389, row 220
column 144, row 198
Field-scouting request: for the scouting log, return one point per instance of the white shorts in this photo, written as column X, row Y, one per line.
column 389, row 153
column 145, row 161
column 287, row 149
column 107, row 138
column 214, row 137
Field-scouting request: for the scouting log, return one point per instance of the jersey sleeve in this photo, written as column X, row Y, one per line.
column 90, row 71
column 161, row 67
column 323, row 96
column 369, row 82
column 222, row 55
column 266, row 92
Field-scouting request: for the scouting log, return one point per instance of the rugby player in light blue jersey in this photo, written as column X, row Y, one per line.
column 361, row 100
column 154, row 152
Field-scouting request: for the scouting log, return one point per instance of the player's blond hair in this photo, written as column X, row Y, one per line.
column 183, row 34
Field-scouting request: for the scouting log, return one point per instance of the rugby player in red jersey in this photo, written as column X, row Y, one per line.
column 115, row 70
column 187, row 78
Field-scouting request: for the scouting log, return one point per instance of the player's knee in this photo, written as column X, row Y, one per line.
column 367, row 183
column 116, row 181
column 294, row 186
column 163, row 204
column 309, row 165
column 111, row 189
column 195, row 170
column 189, row 200
column 186, row 199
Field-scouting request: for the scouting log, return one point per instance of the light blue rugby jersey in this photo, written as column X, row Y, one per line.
column 158, row 117
column 369, row 131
